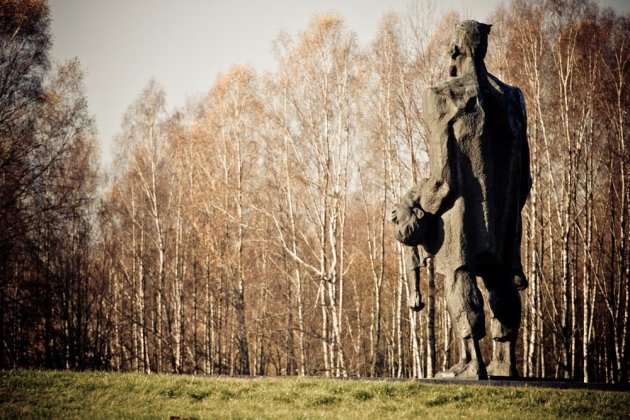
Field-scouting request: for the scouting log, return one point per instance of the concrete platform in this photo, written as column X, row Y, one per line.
column 530, row 382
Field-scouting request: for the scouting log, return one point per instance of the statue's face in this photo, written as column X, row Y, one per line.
column 461, row 61
column 468, row 46
column 455, row 57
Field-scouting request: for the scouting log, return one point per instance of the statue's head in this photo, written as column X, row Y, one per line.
column 468, row 46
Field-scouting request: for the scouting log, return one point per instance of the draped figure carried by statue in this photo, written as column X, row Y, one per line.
column 467, row 213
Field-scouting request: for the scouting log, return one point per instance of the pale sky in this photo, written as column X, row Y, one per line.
column 184, row 45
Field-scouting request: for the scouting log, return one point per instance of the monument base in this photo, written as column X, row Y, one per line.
column 530, row 382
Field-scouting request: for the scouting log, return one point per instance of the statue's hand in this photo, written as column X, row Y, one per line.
column 418, row 212
column 520, row 280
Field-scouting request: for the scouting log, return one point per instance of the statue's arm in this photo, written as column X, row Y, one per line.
column 439, row 190
column 526, row 176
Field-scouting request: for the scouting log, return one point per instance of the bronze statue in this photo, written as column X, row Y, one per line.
column 467, row 214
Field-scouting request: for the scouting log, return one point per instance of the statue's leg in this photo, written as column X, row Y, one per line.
column 465, row 307
column 505, row 304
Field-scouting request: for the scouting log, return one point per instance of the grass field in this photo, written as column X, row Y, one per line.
column 112, row 395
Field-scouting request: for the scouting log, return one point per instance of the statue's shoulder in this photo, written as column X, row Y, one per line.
column 445, row 98
column 514, row 94
column 507, row 89
column 434, row 102
column 454, row 88
column 455, row 92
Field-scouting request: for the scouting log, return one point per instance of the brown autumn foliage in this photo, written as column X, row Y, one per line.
column 246, row 233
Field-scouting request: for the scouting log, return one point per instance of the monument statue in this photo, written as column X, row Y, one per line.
column 467, row 214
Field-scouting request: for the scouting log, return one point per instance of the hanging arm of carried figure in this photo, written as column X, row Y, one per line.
column 411, row 230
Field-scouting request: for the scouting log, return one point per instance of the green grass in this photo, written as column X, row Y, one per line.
column 93, row 395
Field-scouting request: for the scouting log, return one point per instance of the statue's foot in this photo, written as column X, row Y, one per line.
column 464, row 370
column 502, row 368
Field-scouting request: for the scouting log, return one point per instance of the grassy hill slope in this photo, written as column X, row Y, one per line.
column 115, row 395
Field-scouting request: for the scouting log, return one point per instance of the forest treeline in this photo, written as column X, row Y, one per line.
column 246, row 233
